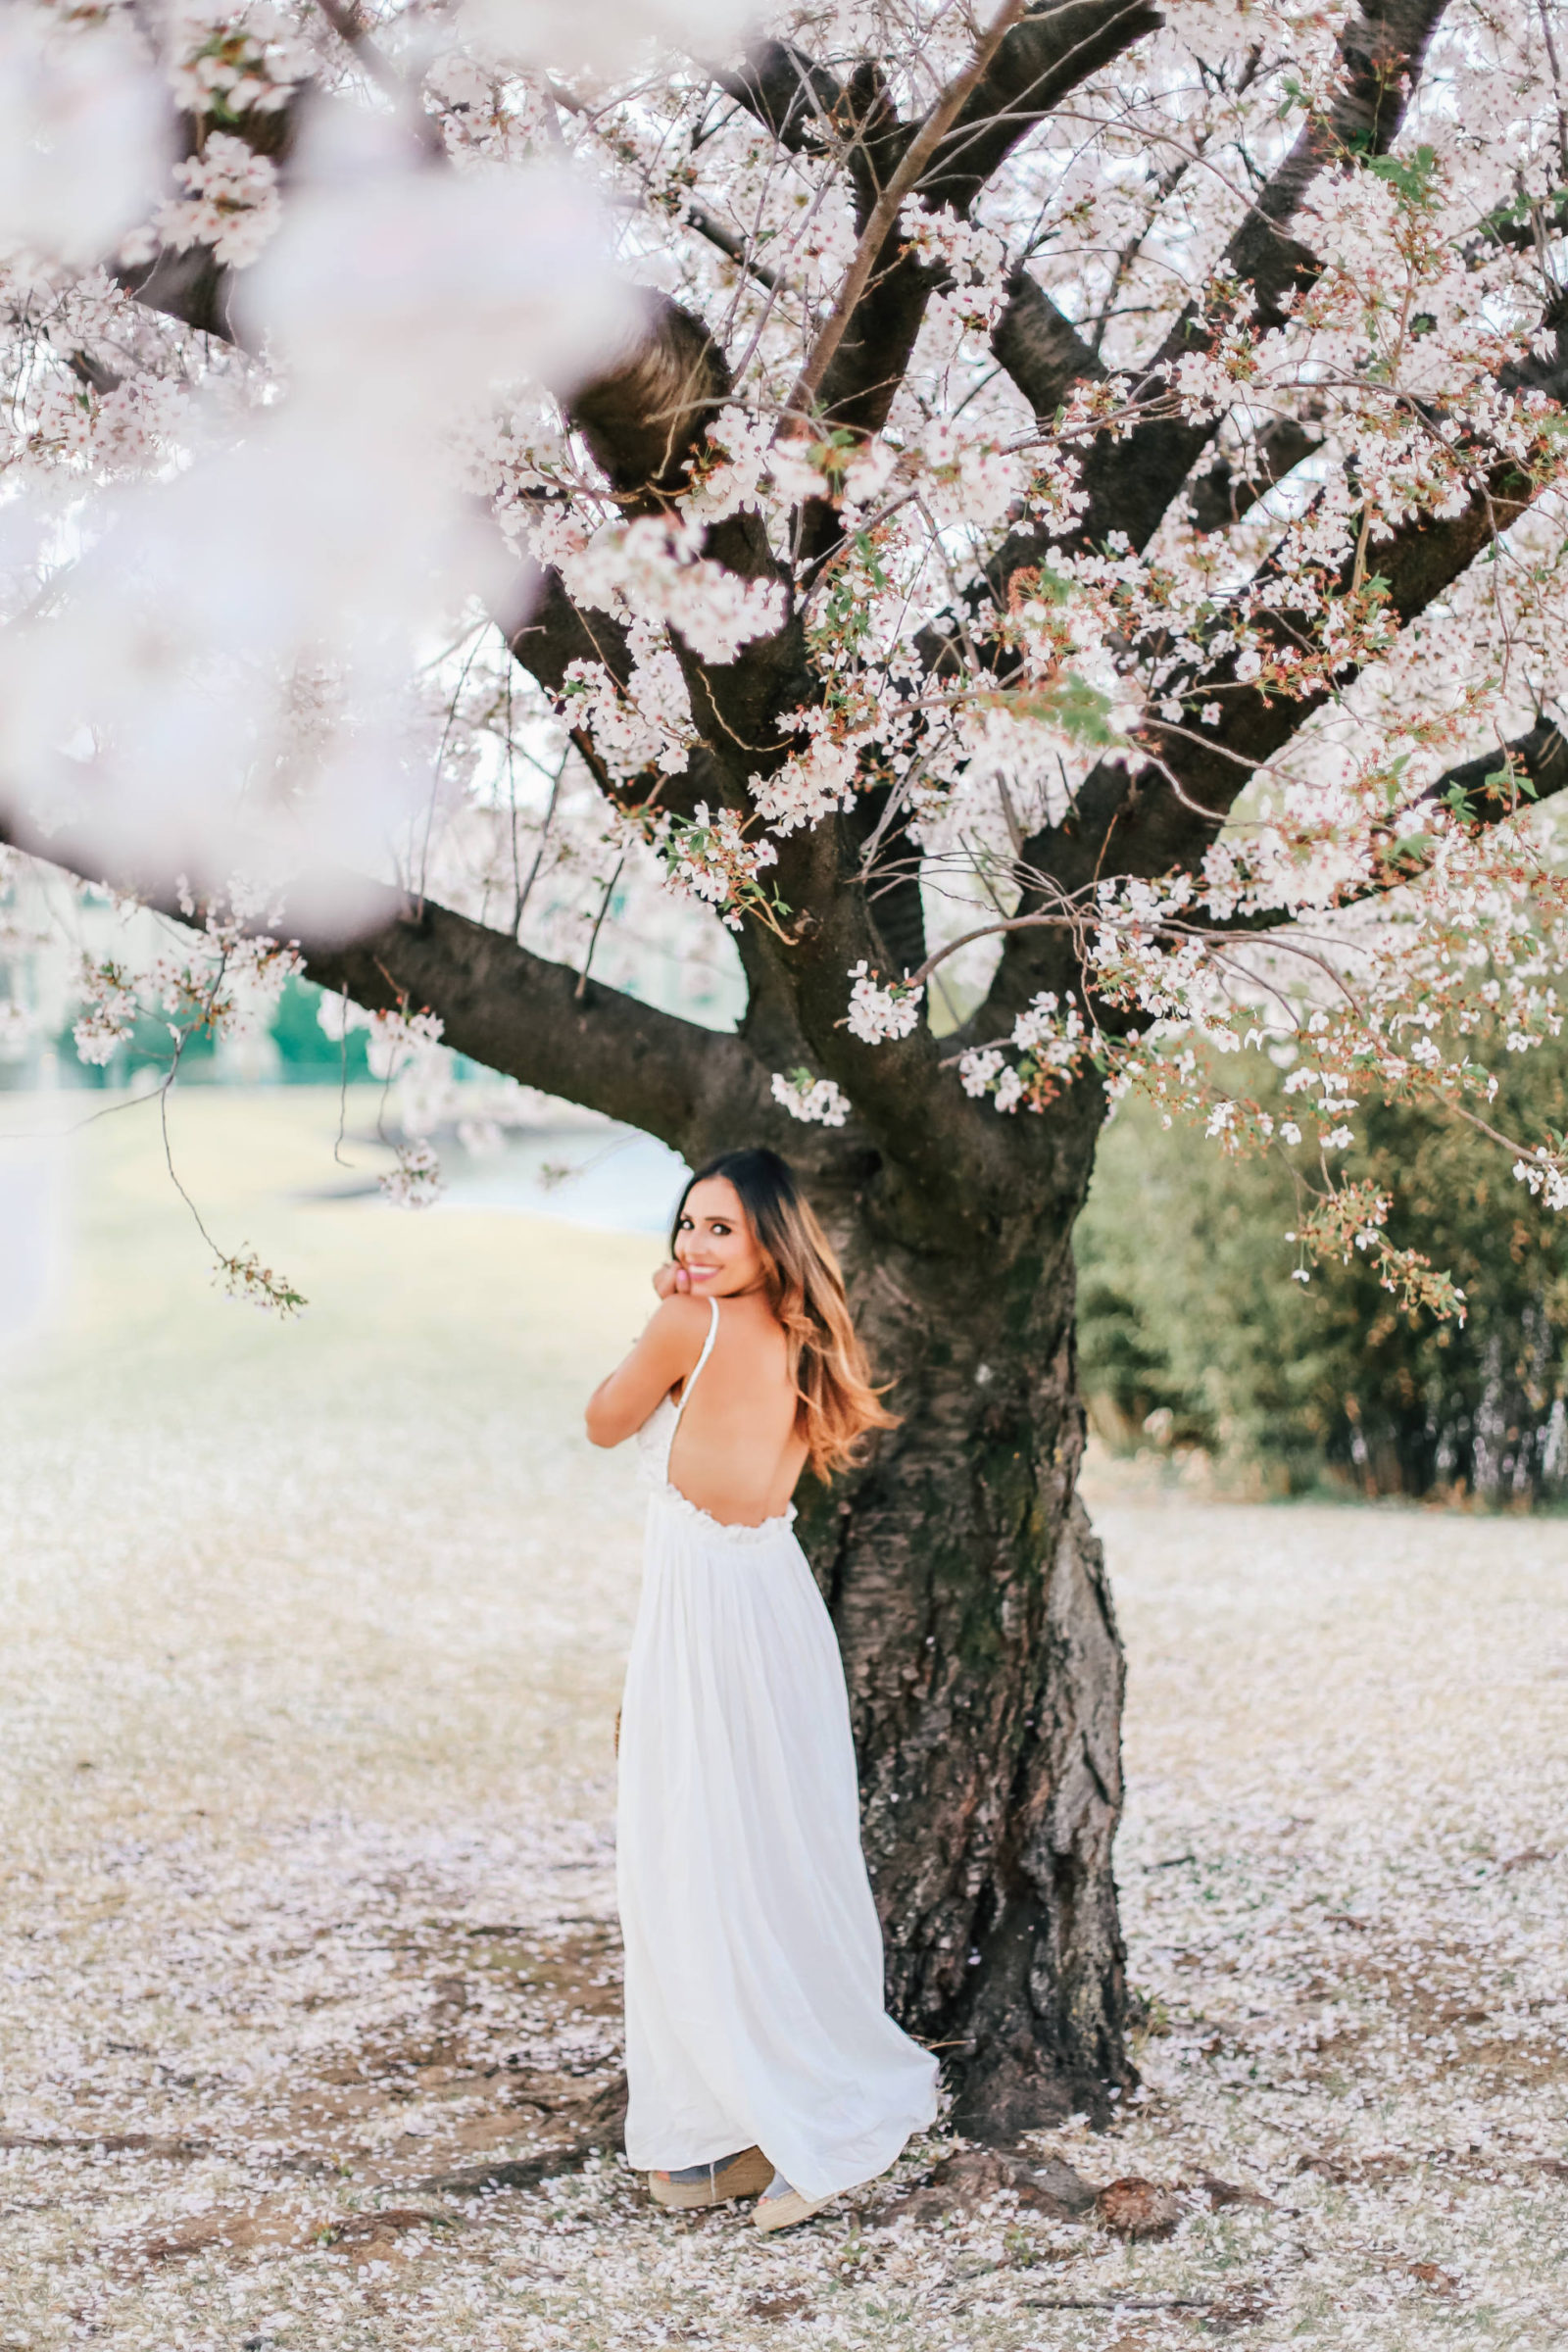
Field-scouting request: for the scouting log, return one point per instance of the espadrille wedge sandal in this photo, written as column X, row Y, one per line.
column 745, row 2175
column 787, row 2211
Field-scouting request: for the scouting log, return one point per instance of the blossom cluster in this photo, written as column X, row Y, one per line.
column 230, row 202
column 221, row 981
column 110, row 1005
column 1353, row 1216
column 710, row 859
column 877, row 1011
column 415, row 1179
column 655, row 568
column 811, row 1100
column 1052, row 1043
column 232, row 62
column 642, row 726
column 1546, row 1172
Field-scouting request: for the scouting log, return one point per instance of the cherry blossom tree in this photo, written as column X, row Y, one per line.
column 1056, row 586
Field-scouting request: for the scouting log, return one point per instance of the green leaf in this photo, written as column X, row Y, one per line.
column 1414, row 846
column 1410, row 176
column 1080, row 710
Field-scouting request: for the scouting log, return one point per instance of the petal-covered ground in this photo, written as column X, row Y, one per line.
column 308, row 1965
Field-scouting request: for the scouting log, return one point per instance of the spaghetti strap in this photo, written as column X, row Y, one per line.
column 707, row 1350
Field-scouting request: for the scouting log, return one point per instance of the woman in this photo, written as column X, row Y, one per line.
column 758, row 2053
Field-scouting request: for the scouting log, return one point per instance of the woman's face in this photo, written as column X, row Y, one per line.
column 714, row 1243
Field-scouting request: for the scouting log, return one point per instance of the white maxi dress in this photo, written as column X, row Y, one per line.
column 754, row 1951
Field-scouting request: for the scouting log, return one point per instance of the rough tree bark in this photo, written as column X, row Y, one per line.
column 985, row 1670
column 969, row 1594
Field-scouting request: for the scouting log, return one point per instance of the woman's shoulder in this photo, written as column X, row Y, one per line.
column 680, row 1322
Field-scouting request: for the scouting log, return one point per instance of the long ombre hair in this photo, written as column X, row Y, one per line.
column 806, row 1291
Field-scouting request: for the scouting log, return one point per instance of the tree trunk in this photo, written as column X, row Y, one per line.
column 985, row 1675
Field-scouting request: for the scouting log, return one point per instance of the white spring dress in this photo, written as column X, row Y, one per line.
column 754, row 1952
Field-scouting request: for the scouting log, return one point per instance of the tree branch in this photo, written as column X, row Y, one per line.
column 796, row 100
column 537, row 1021
column 1538, row 758
column 1129, row 824
column 1032, row 67
column 1491, row 787
column 1052, row 52
column 885, row 211
column 193, row 286
column 501, row 1005
column 644, row 417
column 1131, row 482
column 1041, row 350
column 1540, row 755
column 1132, row 478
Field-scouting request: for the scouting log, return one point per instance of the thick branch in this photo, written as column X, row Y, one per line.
column 1539, row 757
column 1530, row 767
column 1132, row 822
column 1131, row 483
column 809, row 110
column 552, row 632
column 193, row 286
column 958, row 1168
column 793, row 98
column 1131, row 480
column 517, row 1012
column 859, row 364
column 644, row 417
column 1041, row 350
column 920, row 152
column 500, row 1005
column 1056, row 48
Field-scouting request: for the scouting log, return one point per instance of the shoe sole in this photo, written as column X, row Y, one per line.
column 788, row 2212
column 747, row 2177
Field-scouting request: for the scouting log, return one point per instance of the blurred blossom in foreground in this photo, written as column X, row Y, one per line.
column 601, row 35
column 394, row 288
column 224, row 676
column 84, row 142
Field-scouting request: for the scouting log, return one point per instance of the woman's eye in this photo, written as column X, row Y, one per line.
column 722, row 1231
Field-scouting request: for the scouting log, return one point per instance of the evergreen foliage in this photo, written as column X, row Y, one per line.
column 1187, row 1314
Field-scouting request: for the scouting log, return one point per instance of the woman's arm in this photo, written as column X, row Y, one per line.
column 668, row 1352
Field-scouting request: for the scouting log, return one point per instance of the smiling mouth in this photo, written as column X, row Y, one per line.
column 701, row 1273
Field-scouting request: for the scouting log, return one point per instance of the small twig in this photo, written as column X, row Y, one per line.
column 581, row 989
column 539, row 848
column 1119, row 2302
column 1012, row 922
column 239, row 1271
column 343, row 1087
column 729, row 244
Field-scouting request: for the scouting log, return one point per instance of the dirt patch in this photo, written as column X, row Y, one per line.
column 1138, row 2209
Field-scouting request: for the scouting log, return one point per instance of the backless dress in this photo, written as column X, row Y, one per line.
column 753, row 1948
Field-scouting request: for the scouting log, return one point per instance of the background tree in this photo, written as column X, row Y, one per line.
column 1185, row 1311
column 1067, row 567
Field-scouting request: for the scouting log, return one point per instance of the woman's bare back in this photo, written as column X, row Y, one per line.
column 738, row 1451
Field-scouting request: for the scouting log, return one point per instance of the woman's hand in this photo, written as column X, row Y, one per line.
column 670, row 1279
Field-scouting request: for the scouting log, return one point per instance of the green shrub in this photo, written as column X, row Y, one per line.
column 1189, row 1312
